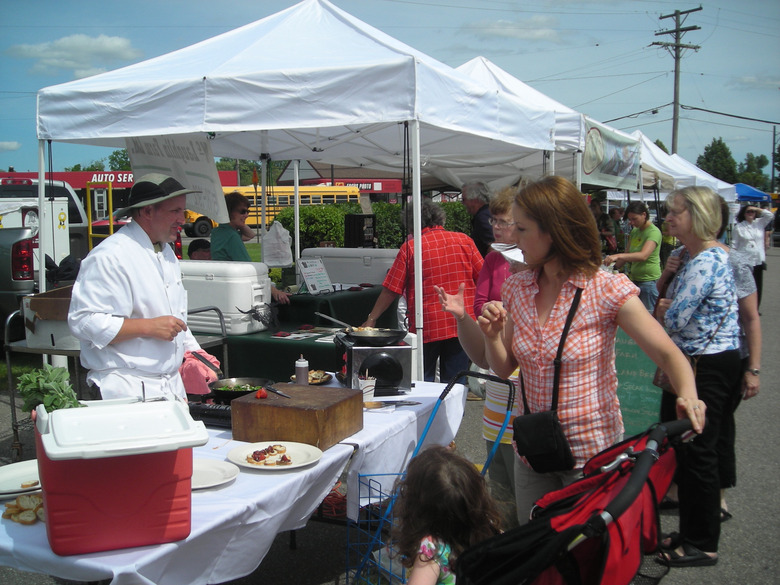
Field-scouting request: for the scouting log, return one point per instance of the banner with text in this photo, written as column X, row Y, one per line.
column 188, row 159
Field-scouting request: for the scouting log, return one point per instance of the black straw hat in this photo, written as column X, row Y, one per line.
column 150, row 189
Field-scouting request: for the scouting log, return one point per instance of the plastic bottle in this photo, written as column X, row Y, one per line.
column 301, row 371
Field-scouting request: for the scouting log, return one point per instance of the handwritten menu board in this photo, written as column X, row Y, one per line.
column 315, row 276
column 640, row 401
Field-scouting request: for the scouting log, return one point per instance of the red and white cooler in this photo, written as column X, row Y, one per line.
column 116, row 474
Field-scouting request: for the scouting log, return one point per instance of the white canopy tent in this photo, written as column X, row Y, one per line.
column 726, row 190
column 586, row 151
column 660, row 170
column 310, row 82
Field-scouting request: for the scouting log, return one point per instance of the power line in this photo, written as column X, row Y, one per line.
column 728, row 115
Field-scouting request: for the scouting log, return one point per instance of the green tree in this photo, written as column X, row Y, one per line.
column 750, row 173
column 119, row 160
column 95, row 165
column 246, row 168
column 718, row 161
column 662, row 146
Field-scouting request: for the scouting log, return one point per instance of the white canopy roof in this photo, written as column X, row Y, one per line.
column 310, row 82
column 569, row 127
column 660, row 169
column 726, row 190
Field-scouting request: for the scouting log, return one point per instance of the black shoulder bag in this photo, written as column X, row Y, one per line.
column 539, row 436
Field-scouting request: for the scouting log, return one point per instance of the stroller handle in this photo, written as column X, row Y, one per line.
column 644, row 462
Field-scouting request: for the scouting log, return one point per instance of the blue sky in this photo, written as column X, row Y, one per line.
column 593, row 56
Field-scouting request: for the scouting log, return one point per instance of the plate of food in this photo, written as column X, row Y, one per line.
column 274, row 455
column 19, row 478
column 316, row 377
column 207, row 473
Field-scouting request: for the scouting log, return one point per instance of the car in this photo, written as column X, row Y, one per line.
column 776, row 232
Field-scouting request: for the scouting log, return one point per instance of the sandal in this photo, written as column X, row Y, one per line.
column 725, row 515
column 670, row 542
column 668, row 504
column 693, row 557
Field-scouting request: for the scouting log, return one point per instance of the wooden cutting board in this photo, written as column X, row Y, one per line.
column 314, row 415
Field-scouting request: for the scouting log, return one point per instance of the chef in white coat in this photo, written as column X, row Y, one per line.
column 129, row 307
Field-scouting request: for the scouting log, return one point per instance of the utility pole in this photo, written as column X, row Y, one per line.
column 675, row 49
column 774, row 156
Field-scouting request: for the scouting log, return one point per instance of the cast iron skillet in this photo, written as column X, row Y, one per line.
column 225, row 396
column 375, row 337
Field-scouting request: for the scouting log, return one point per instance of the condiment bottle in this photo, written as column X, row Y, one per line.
column 301, row 371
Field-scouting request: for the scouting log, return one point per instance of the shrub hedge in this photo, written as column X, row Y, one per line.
column 325, row 223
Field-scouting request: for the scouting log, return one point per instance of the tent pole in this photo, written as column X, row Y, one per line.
column 296, row 184
column 578, row 169
column 417, row 206
column 263, row 194
column 42, row 234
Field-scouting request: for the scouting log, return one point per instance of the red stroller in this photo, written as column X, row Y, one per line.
column 595, row 530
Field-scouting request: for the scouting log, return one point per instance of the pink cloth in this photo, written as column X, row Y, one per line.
column 491, row 278
column 195, row 374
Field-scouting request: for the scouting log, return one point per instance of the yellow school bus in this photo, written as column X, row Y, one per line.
column 278, row 198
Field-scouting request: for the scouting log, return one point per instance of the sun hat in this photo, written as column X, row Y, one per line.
column 150, row 189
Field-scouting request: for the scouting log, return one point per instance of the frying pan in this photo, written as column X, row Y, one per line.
column 225, row 396
column 375, row 337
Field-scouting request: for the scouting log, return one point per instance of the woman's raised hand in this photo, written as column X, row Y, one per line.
column 492, row 319
column 455, row 304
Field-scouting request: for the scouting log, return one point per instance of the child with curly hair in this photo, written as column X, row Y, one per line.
column 443, row 508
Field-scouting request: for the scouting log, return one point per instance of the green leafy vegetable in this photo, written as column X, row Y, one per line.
column 48, row 386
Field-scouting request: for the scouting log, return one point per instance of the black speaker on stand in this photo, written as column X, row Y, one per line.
column 359, row 230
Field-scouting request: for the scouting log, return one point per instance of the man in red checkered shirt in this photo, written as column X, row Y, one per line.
column 449, row 260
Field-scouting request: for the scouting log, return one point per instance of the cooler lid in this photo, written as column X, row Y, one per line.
column 114, row 430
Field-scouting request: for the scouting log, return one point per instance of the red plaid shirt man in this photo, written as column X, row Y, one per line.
column 449, row 258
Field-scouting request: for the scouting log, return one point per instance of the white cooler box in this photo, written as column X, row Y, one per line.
column 233, row 287
column 354, row 265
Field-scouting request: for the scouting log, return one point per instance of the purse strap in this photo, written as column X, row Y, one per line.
column 714, row 333
column 557, row 361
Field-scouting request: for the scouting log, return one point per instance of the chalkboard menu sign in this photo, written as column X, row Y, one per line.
column 640, row 401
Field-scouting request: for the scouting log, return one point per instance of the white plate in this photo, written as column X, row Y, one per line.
column 300, row 453
column 208, row 473
column 14, row 475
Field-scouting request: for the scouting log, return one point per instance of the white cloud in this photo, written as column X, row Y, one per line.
column 10, row 146
column 755, row 82
column 535, row 28
column 82, row 54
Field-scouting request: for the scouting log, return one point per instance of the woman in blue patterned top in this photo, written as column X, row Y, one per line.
column 700, row 315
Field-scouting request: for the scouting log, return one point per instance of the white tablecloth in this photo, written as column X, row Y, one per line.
column 234, row 525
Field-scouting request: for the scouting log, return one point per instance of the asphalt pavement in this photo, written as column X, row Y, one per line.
column 750, row 541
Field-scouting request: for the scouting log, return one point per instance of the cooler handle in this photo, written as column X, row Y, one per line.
column 41, row 419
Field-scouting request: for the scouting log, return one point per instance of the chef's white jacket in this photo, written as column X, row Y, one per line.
column 124, row 277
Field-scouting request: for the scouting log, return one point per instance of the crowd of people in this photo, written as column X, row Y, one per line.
column 695, row 315
column 548, row 324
